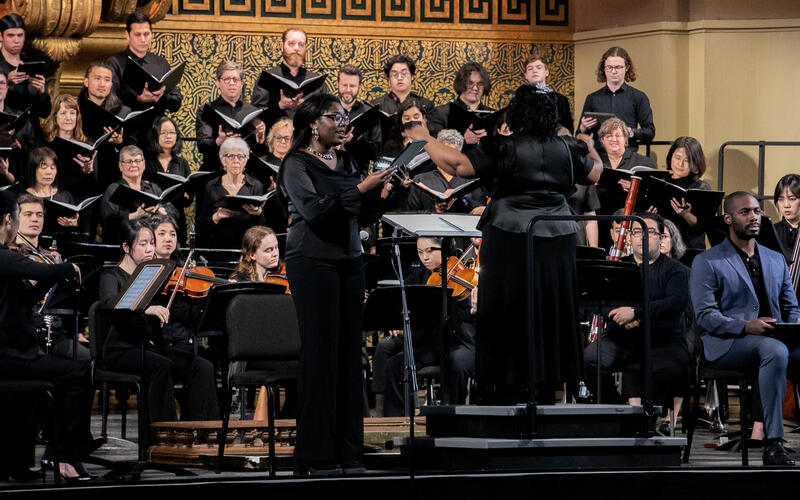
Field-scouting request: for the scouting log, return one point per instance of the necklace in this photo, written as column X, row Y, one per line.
column 324, row 156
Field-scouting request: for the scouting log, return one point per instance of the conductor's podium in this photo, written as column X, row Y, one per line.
column 497, row 438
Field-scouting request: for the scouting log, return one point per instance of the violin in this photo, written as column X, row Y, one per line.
column 460, row 278
column 279, row 277
column 194, row 282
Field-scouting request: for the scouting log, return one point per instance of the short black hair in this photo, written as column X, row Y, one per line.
column 694, row 152
column 10, row 21
column 36, row 157
column 8, row 204
column 399, row 59
column 790, row 182
column 649, row 215
column 727, row 205
column 349, row 69
column 137, row 18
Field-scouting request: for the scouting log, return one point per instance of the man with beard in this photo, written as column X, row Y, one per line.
column 293, row 46
column 471, row 84
column 739, row 289
column 366, row 147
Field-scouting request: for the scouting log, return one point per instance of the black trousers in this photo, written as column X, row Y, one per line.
column 328, row 297
column 163, row 367
column 73, row 405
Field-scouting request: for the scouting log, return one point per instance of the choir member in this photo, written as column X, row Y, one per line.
column 211, row 135
column 131, row 165
column 471, row 84
column 162, row 147
column 536, row 71
column 687, row 164
column 23, row 90
column 367, row 147
column 327, row 201
column 98, row 88
column 139, row 35
column 163, row 363
column 552, row 165
column 64, row 121
column 218, row 226
column 620, row 99
column 41, row 180
column 20, row 359
column 787, row 199
column 20, row 141
column 292, row 67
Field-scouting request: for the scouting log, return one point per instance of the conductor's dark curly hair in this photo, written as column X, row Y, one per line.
column 532, row 112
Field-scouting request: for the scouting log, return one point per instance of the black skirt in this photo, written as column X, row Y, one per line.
column 501, row 344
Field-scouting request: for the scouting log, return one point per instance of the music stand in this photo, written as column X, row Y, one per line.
column 212, row 321
column 445, row 226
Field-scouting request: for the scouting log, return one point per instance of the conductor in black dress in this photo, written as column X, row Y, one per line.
column 533, row 171
column 327, row 201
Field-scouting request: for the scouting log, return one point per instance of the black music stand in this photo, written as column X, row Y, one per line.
column 445, row 226
column 212, row 322
column 603, row 284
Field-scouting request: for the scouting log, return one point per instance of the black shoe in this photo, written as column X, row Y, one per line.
column 353, row 467
column 774, row 454
column 83, row 476
column 318, row 469
column 25, row 475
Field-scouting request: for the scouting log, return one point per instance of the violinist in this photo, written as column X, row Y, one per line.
column 31, row 221
column 787, row 199
column 164, row 363
column 388, row 361
column 260, row 256
column 20, row 359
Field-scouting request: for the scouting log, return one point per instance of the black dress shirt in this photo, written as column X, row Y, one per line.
column 207, row 135
column 228, row 232
column 756, row 273
column 366, row 148
column 787, row 236
column 17, row 298
column 614, row 198
column 114, row 215
column 24, row 95
column 629, row 105
column 326, row 208
column 178, row 166
column 262, row 98
column 564, row 113
column 153, row 64
column 439, row 119
column 694, row 237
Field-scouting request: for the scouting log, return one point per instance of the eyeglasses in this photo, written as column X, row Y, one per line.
column 231, row 79
column 133, row 161
column 237, row 157
column 614, row 69
column 338, row 118
column 477, row 85
column 637, row 232
column 283, row 138
column 399, row 74
column 168, row 133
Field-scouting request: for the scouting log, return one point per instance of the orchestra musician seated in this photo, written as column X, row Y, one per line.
column 31, row 222
column 218, row 226
column 668, row 294
column 163, row 362
column 787, row 199
column 388, row 360
column 20, row 359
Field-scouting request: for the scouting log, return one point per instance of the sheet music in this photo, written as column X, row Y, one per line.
column 138, row 287
column 435, row 224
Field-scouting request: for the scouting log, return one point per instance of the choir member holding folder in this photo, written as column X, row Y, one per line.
column 63, row 133
column 466, row 114
column 162, row 147
column 228, row 116
column 120, row 202
column 132, row 66
column 221, row 219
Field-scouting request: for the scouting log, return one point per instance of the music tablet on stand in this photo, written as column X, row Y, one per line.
column 147, row 280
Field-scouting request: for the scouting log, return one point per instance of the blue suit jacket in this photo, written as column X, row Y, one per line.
column 724, row 299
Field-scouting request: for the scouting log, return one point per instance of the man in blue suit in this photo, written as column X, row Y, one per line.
column 739, row 288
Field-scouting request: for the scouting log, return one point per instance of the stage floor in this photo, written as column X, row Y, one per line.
column 706, row 469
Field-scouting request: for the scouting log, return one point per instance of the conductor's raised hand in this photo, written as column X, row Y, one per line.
column 418, row 133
